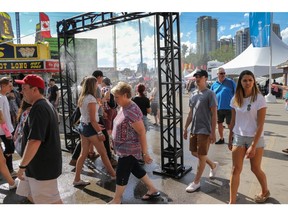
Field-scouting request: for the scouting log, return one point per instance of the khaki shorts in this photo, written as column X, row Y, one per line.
column 42, row 192
column 199, row 143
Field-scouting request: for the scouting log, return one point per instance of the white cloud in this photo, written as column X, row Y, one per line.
column 222, row 28
column 127, row 46
column 284, row 34
column 235, row 26
column 225, row 37
column 28, row 39
column 246, row 15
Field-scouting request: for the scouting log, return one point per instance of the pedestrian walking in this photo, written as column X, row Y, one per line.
column 248, row 117
column 6, row 126
column 41, row 163
column 224, row 89
column 130, row 144
column 202, row 116
column 90, row 130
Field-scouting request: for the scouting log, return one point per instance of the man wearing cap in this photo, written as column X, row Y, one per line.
column 224, row 89
column 203, row 116
column 41, row 163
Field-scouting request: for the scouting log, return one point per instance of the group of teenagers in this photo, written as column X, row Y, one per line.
column 41, row 162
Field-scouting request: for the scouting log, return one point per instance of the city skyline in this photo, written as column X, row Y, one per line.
column 128, row 46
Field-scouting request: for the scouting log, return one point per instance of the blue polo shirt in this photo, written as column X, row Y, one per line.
column 224, row 92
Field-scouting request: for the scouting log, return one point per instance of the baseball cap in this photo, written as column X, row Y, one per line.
column 201, row 73
column 107, row 81
column 32, row 80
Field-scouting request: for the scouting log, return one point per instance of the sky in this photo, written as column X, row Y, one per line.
column 128, row 46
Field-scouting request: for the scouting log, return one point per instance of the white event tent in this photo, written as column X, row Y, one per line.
column 257, row 59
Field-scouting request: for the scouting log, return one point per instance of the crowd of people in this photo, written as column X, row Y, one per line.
column 114, row 122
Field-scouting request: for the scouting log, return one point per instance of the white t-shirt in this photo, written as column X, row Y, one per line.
column 246, row 118
column 85, row 117
column 4, row 107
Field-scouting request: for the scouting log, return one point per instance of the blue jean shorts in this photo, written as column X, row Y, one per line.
column 247, row 141
column 86, row 130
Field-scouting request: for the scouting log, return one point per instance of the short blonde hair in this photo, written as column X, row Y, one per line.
column 122, row 88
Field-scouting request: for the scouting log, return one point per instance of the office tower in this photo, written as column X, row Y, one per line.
column 206, row 28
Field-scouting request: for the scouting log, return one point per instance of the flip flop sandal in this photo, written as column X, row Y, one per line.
column 260, row 198
column 150, row 196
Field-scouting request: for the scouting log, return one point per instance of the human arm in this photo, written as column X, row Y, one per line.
column 188, row 121
column 261, row 113
column 94, row 123
column 231, row 126
column 57, row 97
column 213, row 124
column 30, row 151
column 139, row 127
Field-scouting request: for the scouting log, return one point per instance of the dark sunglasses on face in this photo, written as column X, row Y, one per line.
column 222, row 73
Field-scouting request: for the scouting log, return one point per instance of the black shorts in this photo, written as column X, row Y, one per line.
column 224, row 114
column 127, row 165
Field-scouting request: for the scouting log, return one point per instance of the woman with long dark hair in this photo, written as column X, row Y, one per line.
column 248, row 116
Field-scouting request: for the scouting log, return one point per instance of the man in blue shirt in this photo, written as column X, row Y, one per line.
column 224, row 89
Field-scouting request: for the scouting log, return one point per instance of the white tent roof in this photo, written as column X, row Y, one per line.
column 257, row 59
column 190, row 75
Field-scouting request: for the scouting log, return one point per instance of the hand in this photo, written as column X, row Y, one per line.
column 251, row 151
column 212, row 138
column 20, row 174
column 147, row 158
column 230, row 146
column 185, row 134
column 101, row 137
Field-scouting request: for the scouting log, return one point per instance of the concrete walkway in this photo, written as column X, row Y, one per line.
column 212, row 191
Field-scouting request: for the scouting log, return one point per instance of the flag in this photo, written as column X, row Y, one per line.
column 260, row 29
column 45, row 25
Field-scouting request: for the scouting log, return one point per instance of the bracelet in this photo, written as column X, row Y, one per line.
column 99, row 133
column 144, row 154
column 22, row 167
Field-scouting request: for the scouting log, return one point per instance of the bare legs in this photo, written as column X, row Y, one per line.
column 85, row 142
column 238, row 154
column 120, row 190
column 202, row 160
column 4, row 169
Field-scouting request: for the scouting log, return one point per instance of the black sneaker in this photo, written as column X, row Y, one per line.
column 220, row 141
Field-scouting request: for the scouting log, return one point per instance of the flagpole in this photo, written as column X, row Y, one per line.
column 270, row 98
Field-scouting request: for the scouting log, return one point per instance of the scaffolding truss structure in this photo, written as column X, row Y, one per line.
column 169, row 72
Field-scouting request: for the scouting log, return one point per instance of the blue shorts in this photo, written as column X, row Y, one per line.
column 86, row 130
column 247, row 141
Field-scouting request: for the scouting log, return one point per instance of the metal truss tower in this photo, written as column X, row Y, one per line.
column 169, row 71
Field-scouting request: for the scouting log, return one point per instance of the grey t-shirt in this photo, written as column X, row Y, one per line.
column 98, row 95
column 201, row 103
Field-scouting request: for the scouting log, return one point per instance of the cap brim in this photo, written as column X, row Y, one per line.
column 19, row 81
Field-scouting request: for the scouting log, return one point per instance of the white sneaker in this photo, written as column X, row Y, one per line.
column 81, row 183
column 192, row 187
column 15, row 185
column 213, row 172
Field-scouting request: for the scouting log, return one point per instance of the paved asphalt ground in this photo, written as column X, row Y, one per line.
column 212, row 191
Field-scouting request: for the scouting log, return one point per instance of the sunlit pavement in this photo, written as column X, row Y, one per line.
column 212, row 191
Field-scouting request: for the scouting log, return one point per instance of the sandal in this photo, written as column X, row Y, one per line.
column 93, row 155
column 262, row 198
column 150, row 196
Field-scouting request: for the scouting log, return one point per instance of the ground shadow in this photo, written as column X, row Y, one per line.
column 272, row 134
column 275, row 155
column 277, row 122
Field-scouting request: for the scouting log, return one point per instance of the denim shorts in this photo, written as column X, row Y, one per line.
column 247, row 141
column 86, row 130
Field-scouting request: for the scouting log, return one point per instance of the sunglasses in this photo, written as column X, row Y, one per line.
column 222, row 73
column 248, row 107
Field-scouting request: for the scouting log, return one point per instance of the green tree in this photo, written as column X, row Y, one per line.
column 184, row 50
column 223, row 54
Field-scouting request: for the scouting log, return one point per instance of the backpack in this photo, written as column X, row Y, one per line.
column 75, row 117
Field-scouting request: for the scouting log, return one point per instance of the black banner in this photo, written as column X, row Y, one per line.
column 18, row 65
